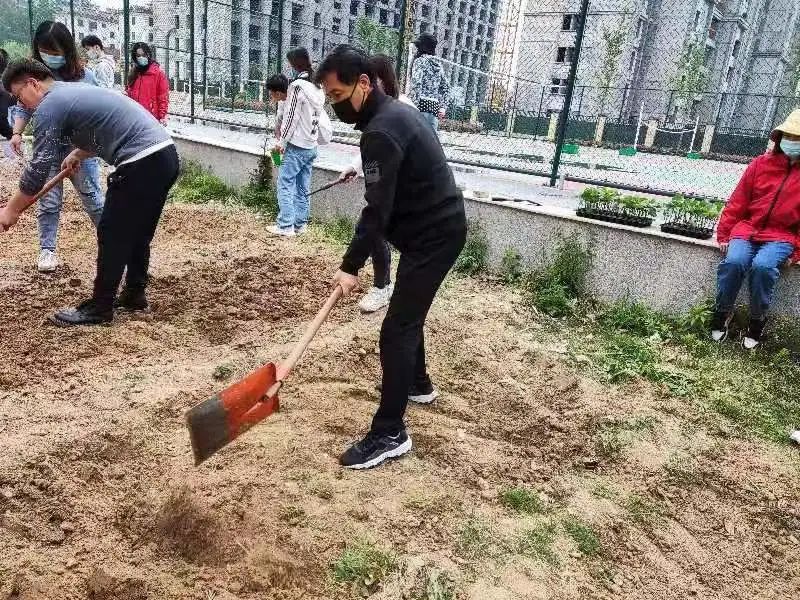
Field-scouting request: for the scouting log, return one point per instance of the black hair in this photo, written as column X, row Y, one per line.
column 55, row 36
column 91, row 40
column 136, row 70
column 23, row 69
column 300, row 60
column 382, row 68
column 348, row 63
column 278, row 83
column 426, row 44
column 3, row 62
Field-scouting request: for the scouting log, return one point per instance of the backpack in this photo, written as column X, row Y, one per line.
column 324, row 128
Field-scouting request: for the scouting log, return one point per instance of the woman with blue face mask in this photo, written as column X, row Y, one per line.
column 54, row 46
column 759, row 232
column 147, row 83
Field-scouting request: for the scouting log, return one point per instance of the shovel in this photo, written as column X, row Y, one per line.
column 47, row 187
column 215, row 423
column 327, row 186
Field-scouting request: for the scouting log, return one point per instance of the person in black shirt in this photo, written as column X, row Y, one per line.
column 412, row 201
column 6, row 100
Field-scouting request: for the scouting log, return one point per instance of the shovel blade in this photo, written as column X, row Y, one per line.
column 215, row 423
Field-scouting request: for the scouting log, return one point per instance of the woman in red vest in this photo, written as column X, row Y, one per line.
column 147, row 83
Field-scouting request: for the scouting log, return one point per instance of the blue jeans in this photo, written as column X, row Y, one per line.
column 294, row 177
column 87, row 183
column 432, row 120
column 762, row 260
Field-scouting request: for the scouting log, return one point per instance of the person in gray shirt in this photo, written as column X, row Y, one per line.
column 98, row 122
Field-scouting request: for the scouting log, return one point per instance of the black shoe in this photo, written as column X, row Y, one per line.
column 131, row 300
column 720, row 323
column 86, row 313
column 374, row 449
column 421, row 394
column 755, row 332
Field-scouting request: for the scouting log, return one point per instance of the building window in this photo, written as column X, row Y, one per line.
column 297, row 12
column 737, row 45
column 488, row 47
column 236, row 29
column 369, row 10
column 632, row 64
column 445, row 52
column 294, row 40
column 255, row 32
column 336, row 25
column 472, row 11
column 483, row 14
column 80, row 22
column 255, row 5
column 92, row 26
column 150, row 21
column 458, row 39
column 447, row 34
column 470, row 27
column 729, row 77
column 712, row 31
column 426, row 10
column 337, row 5
column 468, row 43
column 384, row 17
column 564, row 54
column 315, row 44
column 177, row 21
column 559, row 87
column 462, row 7
column 423, row 28
column 133, row 20
column 569, row 23
column 490, row 32
column 150, row 37
column 397, row 21
column 480, row 29
column 276, row 7
column 317, row 20
column 354, row 8
column 111, row 35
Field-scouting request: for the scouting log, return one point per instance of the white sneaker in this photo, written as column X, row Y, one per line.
column 48, row 261
column 275, row 230
column 300, row 230
column 795, row 436
column 418, row 398
column 376, row 298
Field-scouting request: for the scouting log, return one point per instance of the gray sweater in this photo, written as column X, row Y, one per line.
column 100, row 121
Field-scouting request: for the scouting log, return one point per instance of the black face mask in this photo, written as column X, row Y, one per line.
column 345, row 111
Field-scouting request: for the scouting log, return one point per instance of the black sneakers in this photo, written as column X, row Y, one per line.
column 374, row 449
column 720, row 323
column 131, row 300
column 755, row 332
column 86, row 313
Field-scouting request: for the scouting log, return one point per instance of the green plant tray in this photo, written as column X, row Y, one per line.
column 694, row 155
column 691, row 231
column 614, row 217
column 627, row 151
column 570, row 149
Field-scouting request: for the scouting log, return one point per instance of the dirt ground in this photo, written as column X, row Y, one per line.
column 99, row 497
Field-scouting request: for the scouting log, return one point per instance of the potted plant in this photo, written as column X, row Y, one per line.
column 604, row 204
column 690, row 217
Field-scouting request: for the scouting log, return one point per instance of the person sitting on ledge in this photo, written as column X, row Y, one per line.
column 758, row 232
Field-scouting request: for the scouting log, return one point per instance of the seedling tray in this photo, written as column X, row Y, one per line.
column 614, row 217
column 691, row 231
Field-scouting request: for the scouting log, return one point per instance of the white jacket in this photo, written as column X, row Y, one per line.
column 300, row 119
column 104, row 68
column 356, row 164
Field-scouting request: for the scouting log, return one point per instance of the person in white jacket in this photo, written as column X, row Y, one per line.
column 380, row 293
column 298, row 141
column 102, row 65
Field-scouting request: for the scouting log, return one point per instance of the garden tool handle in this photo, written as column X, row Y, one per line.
column 51, row 184
column 327, row 186
column 287, row 365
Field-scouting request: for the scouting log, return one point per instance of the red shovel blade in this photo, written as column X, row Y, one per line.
column 219, row 420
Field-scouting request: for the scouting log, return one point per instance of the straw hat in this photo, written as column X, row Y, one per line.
column 791, row 126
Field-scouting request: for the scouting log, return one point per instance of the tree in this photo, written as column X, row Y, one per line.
column 691, row 76
column 15, row 25
column 375, row 38
column 614, row 40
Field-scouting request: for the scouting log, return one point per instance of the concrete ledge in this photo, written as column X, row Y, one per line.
column 666, row 272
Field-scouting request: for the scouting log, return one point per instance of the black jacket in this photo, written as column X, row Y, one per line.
column 6, row 101
column 412, row 198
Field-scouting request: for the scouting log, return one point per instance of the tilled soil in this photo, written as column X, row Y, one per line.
column 99, row 497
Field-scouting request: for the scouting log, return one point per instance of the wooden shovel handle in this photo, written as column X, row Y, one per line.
column 287, row 365
column 51, row 184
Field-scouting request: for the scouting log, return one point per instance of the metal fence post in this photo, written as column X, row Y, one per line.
column 401, row 36
column 573, row 72
column 280, row 36
column 191, row 61
column 205, row 52
column 72, row 18
column 126, row 37
column 30, row 17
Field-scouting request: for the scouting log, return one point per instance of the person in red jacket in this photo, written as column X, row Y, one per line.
column 759, row 232
column 147, row 83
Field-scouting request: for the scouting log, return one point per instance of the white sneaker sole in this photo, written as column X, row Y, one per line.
column 425, row 398
column 399, row 451
column 719, row 336
column 372, row 308
column 750, row 343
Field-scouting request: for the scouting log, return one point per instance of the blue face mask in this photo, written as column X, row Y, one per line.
column 142, row 61
column 791, row 149
column 53, row 62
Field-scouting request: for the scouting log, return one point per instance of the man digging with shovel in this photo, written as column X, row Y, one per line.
column 413, row 202
column 98, row 122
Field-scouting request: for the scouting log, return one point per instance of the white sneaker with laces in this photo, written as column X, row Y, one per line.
column 376, row 298
column 280, row 231
column 418, row 398
column 48, row 261
column 300, row 230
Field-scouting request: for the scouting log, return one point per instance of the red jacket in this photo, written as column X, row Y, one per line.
column 765, row 206
column 151, row 90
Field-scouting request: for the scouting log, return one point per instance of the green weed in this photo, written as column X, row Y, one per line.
column 197, row 186
column 511, row 272
column 363, row 564
column 474, row 539
column 474, row 258
column 522, row 500
column 537, row 543
column 583, row 535
column 222, row 372
column 556, row 288
column 339, row 230
column 642, row 511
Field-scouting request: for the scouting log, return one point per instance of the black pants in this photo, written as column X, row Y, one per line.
column 134, row 202
column 420, row 272
column 381, row 257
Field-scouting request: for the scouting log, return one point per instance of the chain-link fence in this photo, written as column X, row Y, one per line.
column 668, row 96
